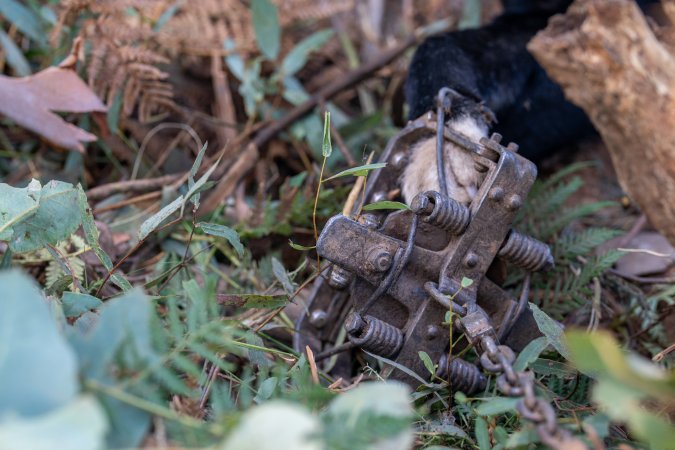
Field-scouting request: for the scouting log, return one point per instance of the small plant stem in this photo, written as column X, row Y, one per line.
column 152, row 408
column 316, row 203
column 62, row 260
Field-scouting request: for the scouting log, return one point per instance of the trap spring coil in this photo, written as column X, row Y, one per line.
column 374, row 335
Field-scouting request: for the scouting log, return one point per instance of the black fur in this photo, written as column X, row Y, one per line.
column 492, row 64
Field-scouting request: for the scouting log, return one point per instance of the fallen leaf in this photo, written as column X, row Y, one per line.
column 648, row 253
column 30, row 102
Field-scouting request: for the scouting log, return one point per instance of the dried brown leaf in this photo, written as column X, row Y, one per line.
column 30, row 102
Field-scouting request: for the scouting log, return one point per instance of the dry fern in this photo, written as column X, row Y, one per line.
column 123, row 57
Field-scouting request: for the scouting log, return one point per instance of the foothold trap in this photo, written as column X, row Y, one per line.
column 398, row 279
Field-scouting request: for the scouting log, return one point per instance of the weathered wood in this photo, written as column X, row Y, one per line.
column 610, row 63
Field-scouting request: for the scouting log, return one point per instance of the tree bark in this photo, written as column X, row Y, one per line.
column 611, row 64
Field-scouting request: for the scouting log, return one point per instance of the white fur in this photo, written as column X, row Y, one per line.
column 462, row 178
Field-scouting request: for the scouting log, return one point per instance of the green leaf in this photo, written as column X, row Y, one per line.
column 253, row 300
column 222, row 231
column 266, row 25
column 326, row 146
column 281, row 275
column 16, row 204
column 426, row 359
column 24, row 19
column 118, row 342
column 530, row 353
column 14, row 56
column 113, row 115
column 76, row 304
column 466, row 282
column 599, row 355
column 297, row 57
column 37, row 367
column 359, row 171
column 551, row 329
column 623, row 404
column 286, row 426
column 91, row 237
column 482, row 434
column 156, row 220
column 497, row 406
column 79, row 425
column 386, row 204
column 194, row 186
column 302, row 248
column 372, row 404
column 266, row 389
column 35, row 216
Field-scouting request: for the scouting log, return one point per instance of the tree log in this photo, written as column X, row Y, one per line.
column 611, row 64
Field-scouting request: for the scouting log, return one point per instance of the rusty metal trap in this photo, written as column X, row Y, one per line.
column 395, row 276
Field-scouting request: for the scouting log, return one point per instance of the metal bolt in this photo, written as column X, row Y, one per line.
column 514, row 202
column 339, row 278
column 354, row 324
column 496, row 137
column 318, row 318
column 380, row 259
column 422, row 204
column 496, row 194
column 433, row 332
column 512, row 147
column 471, row 260
column 370, row 221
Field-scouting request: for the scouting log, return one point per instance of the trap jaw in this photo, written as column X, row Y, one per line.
column 396, row 275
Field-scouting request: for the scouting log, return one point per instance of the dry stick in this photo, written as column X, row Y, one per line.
column 342, row 146
column 129, row 201
column 107, row 190
column 247, row 159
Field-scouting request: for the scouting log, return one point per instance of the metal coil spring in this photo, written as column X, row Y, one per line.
column 462, row 375
column 526, row 252
column 442, row 211
column 374, row 335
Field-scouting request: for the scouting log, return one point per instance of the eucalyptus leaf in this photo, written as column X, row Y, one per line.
column 156, row 220
column 497, row 406
column 76, row 304
column 14, row 56
column 225, row 232
column 37, row 367
column 273, row 426
column 32, row 217
column 551, row 329
column 79, row 425
column 297, row 57
column 530, row 353
column 119, row 341
column 91, row 237
column 265, row 16
column 24, row 19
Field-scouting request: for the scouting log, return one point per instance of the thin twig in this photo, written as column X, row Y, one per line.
column 106, row 190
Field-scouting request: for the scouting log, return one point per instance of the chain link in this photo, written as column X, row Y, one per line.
column 499, row 359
